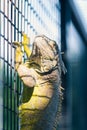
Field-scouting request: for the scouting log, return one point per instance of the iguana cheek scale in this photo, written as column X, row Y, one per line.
column 41, row 74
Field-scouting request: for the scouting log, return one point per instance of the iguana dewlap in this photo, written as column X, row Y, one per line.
column 42, row 74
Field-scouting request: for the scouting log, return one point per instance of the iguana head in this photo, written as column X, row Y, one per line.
column 45, row 55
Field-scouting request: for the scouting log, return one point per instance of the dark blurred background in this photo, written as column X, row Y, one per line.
column 74, row 44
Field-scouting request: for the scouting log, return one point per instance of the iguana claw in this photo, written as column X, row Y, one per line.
column 26, row 39
column 18, row 44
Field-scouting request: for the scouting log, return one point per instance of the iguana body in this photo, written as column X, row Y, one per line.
column 42, row 73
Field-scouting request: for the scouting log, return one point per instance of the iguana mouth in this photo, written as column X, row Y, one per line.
column 38, row 68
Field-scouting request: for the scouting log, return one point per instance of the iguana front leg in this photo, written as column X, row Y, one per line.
column 19, row 52
column 26, row 74
column 25, row 43
column 22, row 69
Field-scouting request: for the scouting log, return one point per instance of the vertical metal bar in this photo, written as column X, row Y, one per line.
column 7, row 79
column 63, row 22
column 17, row 92
column 10, row 87
column 6, row 85
column 14, row 89
column 4, row 90
column 3, row 63
column 0, row 29
column 18, row 80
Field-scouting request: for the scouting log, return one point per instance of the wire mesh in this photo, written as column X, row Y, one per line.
column 32, row 17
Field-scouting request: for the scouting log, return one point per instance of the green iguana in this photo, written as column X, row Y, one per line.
column 41, row 74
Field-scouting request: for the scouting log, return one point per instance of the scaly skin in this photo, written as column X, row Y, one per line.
column 41, row 75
